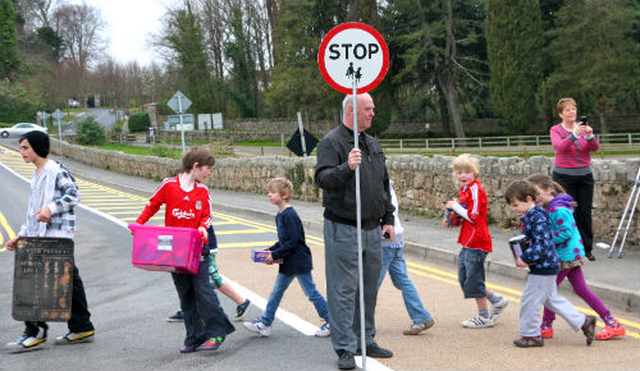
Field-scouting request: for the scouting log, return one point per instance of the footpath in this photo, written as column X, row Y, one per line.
column 615, row 280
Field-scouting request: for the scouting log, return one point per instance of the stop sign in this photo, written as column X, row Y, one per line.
column 353, row 52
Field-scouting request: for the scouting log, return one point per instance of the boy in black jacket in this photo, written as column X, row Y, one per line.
column 542, row 260
column 295, row 255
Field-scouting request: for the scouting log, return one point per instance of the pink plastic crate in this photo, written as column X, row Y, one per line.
column 167, row 249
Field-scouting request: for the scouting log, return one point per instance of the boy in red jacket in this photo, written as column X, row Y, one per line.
column 476, row 242
column 187, row 205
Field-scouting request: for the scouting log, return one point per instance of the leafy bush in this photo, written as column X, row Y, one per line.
column 139, row 122
column 161, row 150
column 90, row 131
column 15, row 103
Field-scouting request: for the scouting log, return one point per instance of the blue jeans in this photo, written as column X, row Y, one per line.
column 308, row 287
column 393, row 261
column 471, row 272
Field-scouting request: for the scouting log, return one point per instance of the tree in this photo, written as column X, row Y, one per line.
column 90, row 132
column 9, row 60
column 37, row 13
column 296, row 82
column 240, row 52
column 436, row 49
column 80, row 27
column 51, row 38
column 514, row 45
column 597, row 58
column 184, row 37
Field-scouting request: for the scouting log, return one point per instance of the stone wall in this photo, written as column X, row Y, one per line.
column 273, row 128
column 423, row 184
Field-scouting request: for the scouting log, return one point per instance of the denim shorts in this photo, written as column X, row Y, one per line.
column 471, row 272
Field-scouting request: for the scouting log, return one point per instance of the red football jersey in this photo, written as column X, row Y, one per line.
column 475, row 235
column 182, row 209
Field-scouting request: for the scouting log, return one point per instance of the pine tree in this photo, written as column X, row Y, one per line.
column 514, row 48
column 596, row 58
column 187, row 41
column 9, row 59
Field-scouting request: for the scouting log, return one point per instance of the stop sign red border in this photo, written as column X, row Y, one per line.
column 366, row 28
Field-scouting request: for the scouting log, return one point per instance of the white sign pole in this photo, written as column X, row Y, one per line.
column 184, row 149
column 361, row 52
column 302, row 140
column 363, row 341
column 60, row 137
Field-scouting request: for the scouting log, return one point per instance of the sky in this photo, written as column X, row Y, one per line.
column 129, row 24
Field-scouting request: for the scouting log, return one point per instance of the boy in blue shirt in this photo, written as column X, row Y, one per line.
column 542, row 260
column 295, row 255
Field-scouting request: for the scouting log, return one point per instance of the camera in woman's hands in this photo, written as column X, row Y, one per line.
column 583, row 120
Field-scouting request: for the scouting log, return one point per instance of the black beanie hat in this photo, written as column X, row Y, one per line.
column 39, row 141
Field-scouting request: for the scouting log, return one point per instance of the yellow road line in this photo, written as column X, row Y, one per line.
column 7, row 227
column 132, row 208
column 226, row 222
column 134, row 218
column 241, row 231
column 231, row 245
column 130, row 212
column 107, row 204
column 263, row 225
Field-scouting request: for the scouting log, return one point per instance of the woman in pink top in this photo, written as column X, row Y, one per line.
column 573, row 141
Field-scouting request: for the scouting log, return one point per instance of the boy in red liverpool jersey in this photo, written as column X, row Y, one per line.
column 476, row 242
column 187, row 205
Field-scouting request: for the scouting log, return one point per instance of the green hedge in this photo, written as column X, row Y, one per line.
column 139, row 122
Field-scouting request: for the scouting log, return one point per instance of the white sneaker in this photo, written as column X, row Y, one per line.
column 27, row 343
column 497, row 309
column 259, row 327
column 324, row 330
column 477, row 322
column 76, row 338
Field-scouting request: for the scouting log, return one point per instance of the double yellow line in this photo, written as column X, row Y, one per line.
column 10, row 233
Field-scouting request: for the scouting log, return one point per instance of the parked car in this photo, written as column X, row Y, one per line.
column 19, row 129
column 72, row 103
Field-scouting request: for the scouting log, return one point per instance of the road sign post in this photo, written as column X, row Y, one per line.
column 354, row 54
column 44, row 116
column 180, row 103
column 301, row 129
column 58, row 115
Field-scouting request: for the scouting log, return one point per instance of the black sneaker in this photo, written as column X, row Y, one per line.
column 346, row 361
column 590, row 256
column 589, row 329
column 375, row 351
column 178, row 317
column 241, row 310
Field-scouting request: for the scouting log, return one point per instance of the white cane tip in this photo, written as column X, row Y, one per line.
column 603, row 245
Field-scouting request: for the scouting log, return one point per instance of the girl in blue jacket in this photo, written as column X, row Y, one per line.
column 570, row 248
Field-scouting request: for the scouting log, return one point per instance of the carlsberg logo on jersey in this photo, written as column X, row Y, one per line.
column 181, row 214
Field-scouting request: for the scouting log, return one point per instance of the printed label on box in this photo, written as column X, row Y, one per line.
column 165, row 243
column 259, row 256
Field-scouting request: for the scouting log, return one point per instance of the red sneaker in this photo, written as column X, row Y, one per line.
column 610, row 332
column 547, row 333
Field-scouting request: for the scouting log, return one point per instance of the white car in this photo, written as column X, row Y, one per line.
column 19, row 129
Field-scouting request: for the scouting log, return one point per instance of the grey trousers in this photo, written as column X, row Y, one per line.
column 542, row 291
column 341, row 265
